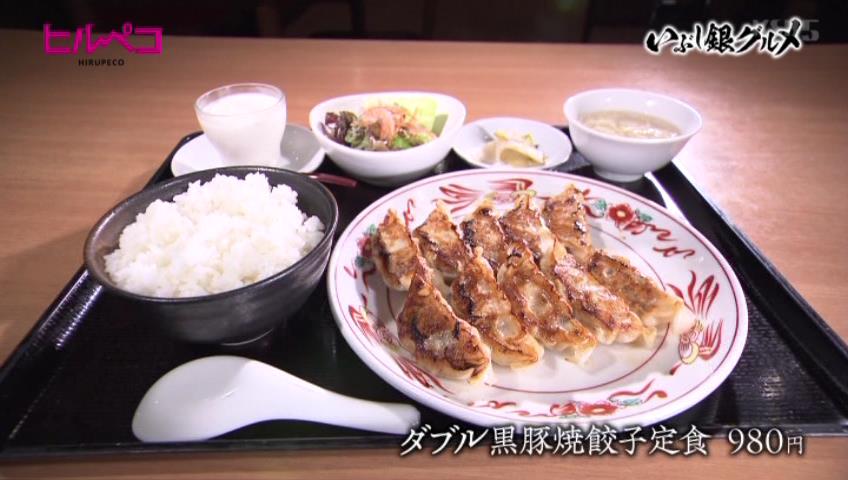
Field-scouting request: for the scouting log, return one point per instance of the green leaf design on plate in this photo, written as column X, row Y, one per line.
column 644, row 217
column 600, row 205
column 362, row 262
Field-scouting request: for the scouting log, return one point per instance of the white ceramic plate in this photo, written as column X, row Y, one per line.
column 470, row 140
column 620, row 384
column 300, row 151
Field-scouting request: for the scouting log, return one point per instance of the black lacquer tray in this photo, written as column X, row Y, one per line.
column 72, row 385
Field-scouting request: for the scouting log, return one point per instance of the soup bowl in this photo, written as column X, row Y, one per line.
column 626, row 159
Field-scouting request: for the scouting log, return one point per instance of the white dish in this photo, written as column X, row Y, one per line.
column 299, row 152
column 624, row 159
column 620, row 384
column 471, row 139
column 393, row 167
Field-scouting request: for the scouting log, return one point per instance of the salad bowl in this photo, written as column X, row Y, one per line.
column 391, row 167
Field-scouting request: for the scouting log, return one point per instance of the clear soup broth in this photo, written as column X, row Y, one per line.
column 629, row 124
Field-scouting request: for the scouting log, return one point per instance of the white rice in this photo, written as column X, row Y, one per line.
column 218, row 236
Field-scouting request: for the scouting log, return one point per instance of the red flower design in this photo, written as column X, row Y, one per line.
column 565, row 409
column 600, row 408
column 621, row 214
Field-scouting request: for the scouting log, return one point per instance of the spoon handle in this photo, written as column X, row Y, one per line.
column 295, row 398
column 336, row 409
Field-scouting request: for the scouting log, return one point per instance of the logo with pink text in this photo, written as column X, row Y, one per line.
column 84, row 41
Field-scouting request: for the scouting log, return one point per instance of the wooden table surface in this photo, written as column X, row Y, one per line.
column 75, row 140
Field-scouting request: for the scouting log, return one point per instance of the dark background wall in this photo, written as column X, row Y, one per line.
column 472, row 20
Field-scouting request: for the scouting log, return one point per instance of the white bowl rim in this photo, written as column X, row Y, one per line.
column 631, row 140
column 319, row 132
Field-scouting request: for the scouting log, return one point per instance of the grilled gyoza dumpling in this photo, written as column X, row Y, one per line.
column 523, row 224
column 477, row 298
column 440, row 341
column 440, row 243
column 541, row 308
column 607, row 315
column 482, row 229
column 645, row 298
column 394, row 251
column 566, row 218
